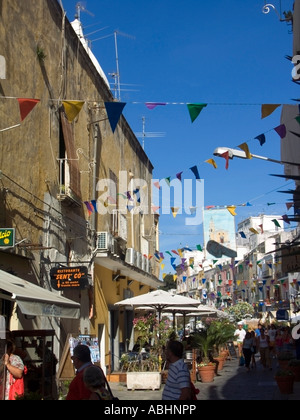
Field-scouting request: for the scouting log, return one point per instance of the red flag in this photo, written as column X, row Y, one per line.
column 26, row 106
column 226, row 156
column 261, row 227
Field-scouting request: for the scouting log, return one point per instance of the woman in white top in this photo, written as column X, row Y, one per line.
column 247, row 345
column 263, row 342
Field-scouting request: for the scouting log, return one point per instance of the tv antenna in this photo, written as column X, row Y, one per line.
column 81, row 7
column 145, row 135
column 116, row 75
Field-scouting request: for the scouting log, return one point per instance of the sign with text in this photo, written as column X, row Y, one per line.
column 7, row 238
column 290, row 260
column 69, row 278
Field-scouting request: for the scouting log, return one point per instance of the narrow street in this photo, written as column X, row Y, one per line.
column 233, row 383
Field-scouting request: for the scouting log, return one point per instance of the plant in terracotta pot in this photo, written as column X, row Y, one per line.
column 285, row 381
column 204, row 341
column 294, row 366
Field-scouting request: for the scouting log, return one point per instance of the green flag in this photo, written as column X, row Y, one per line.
column 276, row 223
column 195, row 109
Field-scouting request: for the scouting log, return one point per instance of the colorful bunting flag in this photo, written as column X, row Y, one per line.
column 174, row 211
column 157, row 185
column 268, row 109
column 245, row 148
column 168, row 180
column 194, row 110
column 226, row 157
column 212, row 162
column 26, row 106
column 275, row 221
column 89, row 207
column 94, row 204
column 179, row 175
column 286, row 219
column 152, row 105
column 261, row 228
column 114, row 111
column 72, row 109
column 199, row 247
column 254, row 231
column 231, row 210
column 281, row 130
column 242, row 235
column 194, row 169
column 261, row 138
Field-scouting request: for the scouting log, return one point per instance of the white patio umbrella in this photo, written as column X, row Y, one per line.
column 160, row 300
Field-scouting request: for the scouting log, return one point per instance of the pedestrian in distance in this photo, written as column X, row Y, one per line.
column 15, row 369
column 263, row 343
column 247, row 350
column 239, row 335
column 178, row 385
column 94, row 380
column 82, row 360
column 254, row 349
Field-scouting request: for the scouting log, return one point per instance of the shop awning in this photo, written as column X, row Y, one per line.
column 36, row 301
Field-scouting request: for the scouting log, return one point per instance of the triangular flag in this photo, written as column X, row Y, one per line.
column 286, row 219
column 156, row 184
column 231, row 210
column 226, row 156
column 261, row 138
column 89, row 207
column 179, row 252
column 94, row 204
column 276, row 223
column 193, row 209
column 114, row 111
column 194, row 169
column 261, row 227
column 162, row 266
column 154, row 209
column 199, row 247
column 175, row 252
column 179, row 175
column 130, row 208
column 26, row 106
column 267, row 109
column 168, row 252
column 129, row 196
column 281, row 130
column 245, row 148
column 212, row 162
column 72, row 109
column 254, row 231
column 174, row 211
column 242, row 235
column 152, row 105
column 194, row 110
column 168, row 180
column 289, row 205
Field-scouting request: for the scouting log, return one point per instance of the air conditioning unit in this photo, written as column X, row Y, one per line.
column 130, row 257
column 104, row 241
column 139, row 260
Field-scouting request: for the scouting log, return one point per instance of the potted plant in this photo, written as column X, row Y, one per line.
column 294, row 366
column 285, row 381
column 204, row 341
column 284, row 358
column 144, row 370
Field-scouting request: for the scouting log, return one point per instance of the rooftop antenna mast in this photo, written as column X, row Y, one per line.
column 81, row 7
column 116, row 75
column 145, row 135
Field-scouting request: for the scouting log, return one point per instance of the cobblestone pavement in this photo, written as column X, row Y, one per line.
column 232, row 383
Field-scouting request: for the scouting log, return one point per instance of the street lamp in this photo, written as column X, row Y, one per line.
column 220, row 151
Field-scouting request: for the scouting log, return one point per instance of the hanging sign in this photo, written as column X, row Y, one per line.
column 7, row 238
column 69, row 278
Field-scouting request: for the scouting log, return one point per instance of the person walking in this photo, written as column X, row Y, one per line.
column 272, row 335
column 247, row 346
column 263, row 343
column 178, row 385
column 240, row 334
column 15, row 369
column 253, row 349
column 82, row 360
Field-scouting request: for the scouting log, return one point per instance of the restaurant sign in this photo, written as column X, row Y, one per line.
column 7, row 238
column 290, row 260
column 69, row 278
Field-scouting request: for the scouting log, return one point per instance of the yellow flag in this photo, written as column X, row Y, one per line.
column 254, row 231
column 212, row 162
column 179, row 252
column 162, row 266
column 245, row 148
column 231, row 210
column 164, row 275
column 72, row 109
column 175, row 277
column 174, row 211
column 267, row 109
column 238, row 282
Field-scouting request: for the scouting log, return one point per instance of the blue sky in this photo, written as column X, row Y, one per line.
column 229, row 55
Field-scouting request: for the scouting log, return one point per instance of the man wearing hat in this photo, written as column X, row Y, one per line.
column 81, row 360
